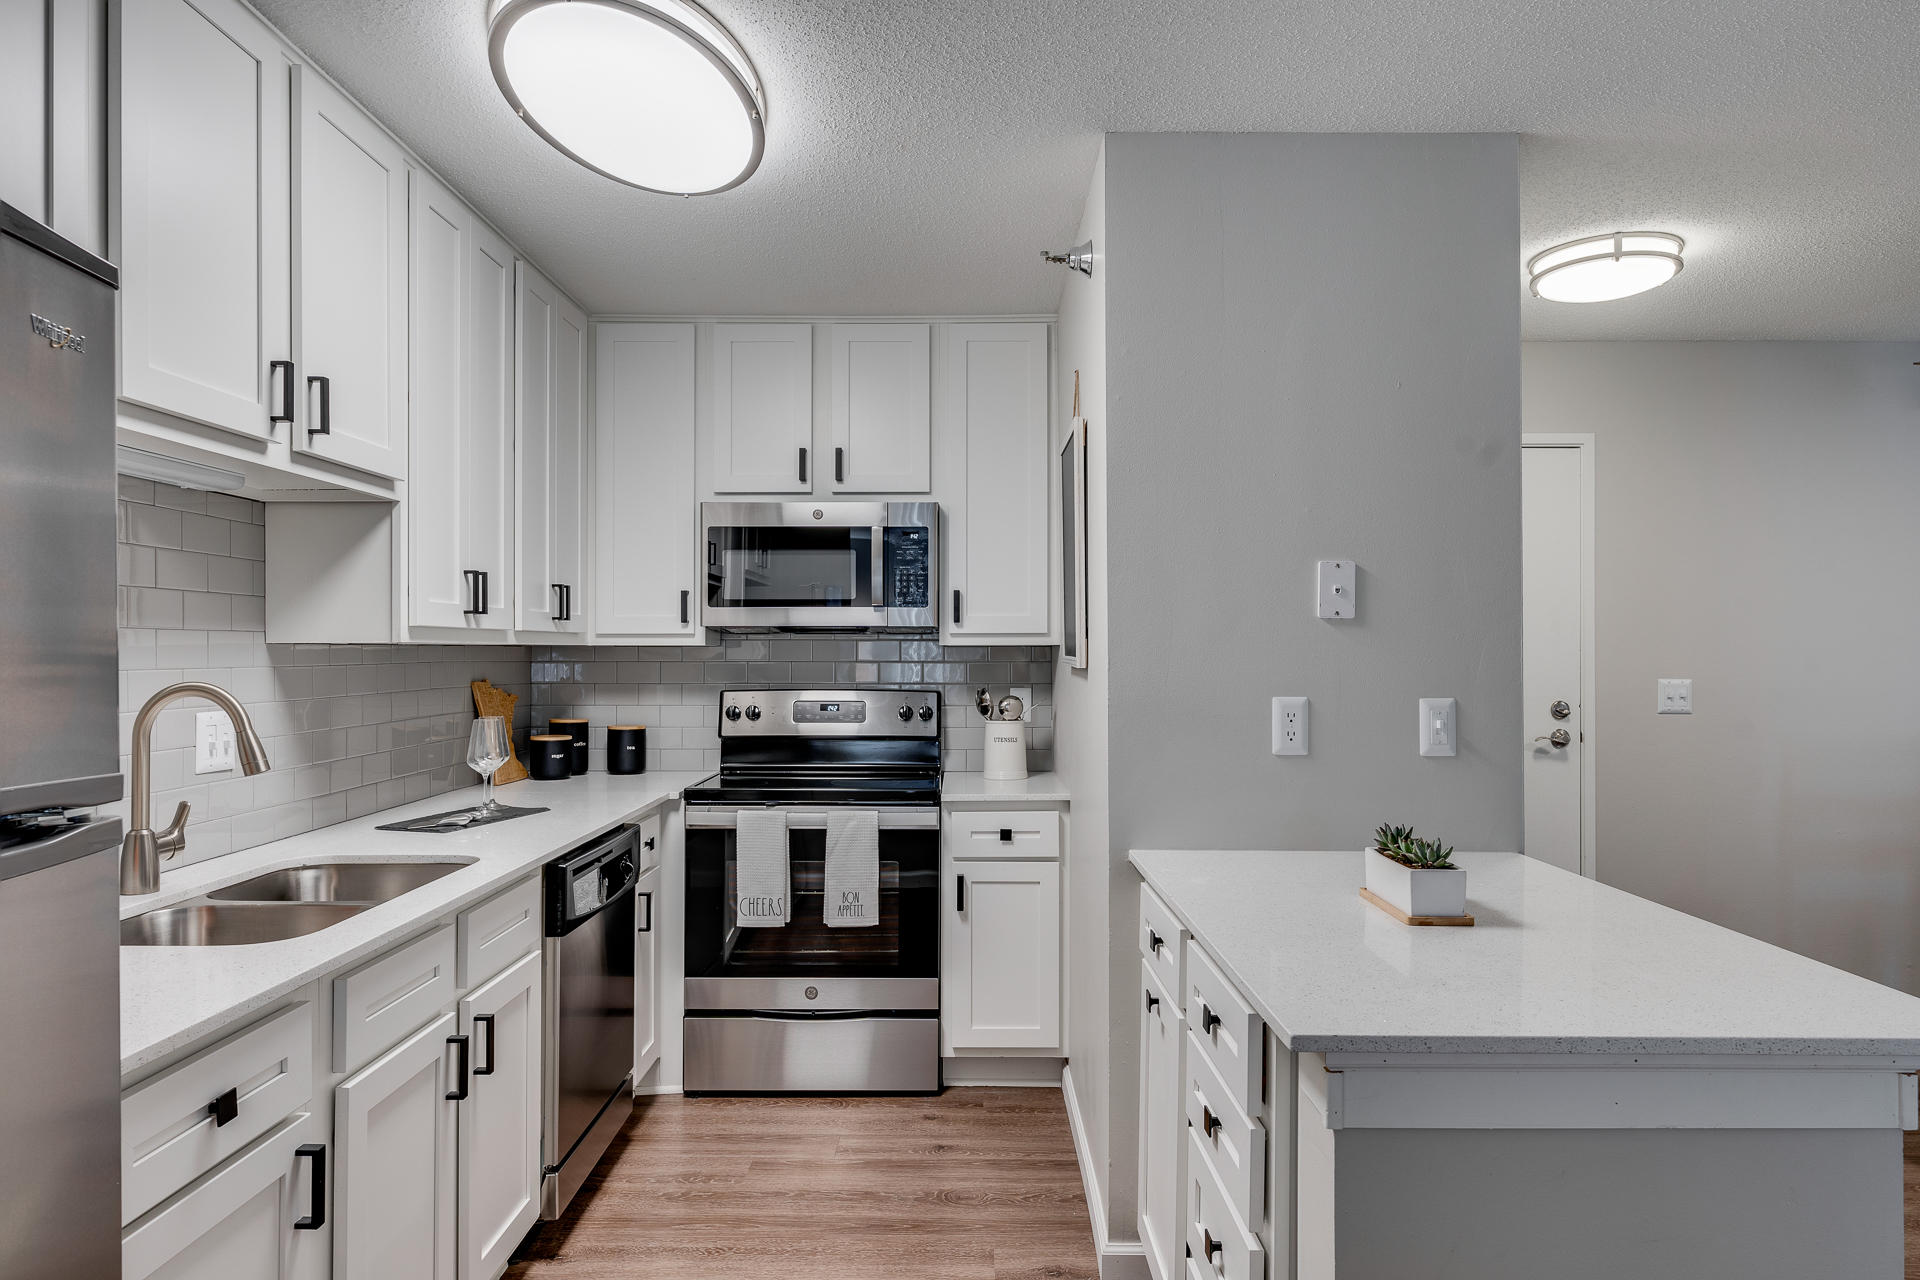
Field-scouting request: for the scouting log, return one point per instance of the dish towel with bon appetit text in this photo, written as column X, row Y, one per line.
column 852, row 896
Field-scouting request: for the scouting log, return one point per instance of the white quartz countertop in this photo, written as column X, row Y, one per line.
column 1556, row 964
column 171, row 997
column 973, row 788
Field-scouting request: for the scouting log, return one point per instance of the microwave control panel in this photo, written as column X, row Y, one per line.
column 908, row 567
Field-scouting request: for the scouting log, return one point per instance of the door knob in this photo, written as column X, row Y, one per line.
column 1559, row 738
column 1560, row 710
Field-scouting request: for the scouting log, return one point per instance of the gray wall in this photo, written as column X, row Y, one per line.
column 349, row 729
column 1756, row 529
column 1314, row 352
column 1080, row 697
column 675, row 692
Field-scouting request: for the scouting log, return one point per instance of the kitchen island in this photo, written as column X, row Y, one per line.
column 1583, row 1084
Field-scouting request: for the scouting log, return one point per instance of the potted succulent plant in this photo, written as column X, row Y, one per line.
column 1415, row 875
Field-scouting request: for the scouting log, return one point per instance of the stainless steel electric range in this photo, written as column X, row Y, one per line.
column 803, row 1007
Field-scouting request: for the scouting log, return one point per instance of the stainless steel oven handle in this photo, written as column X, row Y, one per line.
column 703, row 818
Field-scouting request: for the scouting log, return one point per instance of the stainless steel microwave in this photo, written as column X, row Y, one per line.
column 839, row 566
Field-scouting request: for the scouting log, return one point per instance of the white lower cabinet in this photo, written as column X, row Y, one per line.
column 646, row 969
column 1163, row 1151
column 261, row 1216
column 396, row 1131
column 499, row 1119
column 1000, row 955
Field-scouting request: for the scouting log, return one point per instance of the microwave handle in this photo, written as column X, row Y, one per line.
column 877, row 564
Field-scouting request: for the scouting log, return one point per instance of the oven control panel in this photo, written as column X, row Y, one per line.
column 803, row 713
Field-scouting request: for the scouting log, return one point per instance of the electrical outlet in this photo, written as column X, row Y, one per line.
column 1676, row 697
column 1438, row 732
column 212, row 743
column 1290, row 726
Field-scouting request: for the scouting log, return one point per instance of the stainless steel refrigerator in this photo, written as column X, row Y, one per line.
column 59, row 755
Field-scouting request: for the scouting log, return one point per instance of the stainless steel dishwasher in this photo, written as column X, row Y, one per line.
column 588, row 1011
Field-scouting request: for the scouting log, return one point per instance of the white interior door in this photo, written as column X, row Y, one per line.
column 1555, row 585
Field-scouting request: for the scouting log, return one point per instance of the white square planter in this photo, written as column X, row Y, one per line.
column 1418, row 893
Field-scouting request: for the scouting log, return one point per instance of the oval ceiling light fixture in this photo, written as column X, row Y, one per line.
column 1602, row 268
column 651, row 93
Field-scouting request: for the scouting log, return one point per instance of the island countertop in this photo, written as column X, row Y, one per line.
column 171, row 997
column 1556, row 964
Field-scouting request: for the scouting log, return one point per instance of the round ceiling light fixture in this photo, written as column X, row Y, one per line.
column 1602, row 268
column 651, row 93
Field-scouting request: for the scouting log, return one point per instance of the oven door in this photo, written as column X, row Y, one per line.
column 832, row 565
column 804, row 966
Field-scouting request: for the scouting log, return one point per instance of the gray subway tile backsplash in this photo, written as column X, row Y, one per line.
column 353, row 729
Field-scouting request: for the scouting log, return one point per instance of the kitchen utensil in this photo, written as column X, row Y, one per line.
column 1011, row 708
column 985, row 703
column 449, row 822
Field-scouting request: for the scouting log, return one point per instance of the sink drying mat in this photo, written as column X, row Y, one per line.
column 502, row 814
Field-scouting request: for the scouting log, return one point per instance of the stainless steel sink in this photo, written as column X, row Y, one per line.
column 361, row 882
column 228, row 924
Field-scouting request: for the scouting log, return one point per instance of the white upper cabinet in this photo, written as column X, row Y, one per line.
column 203, row 214
column 350, row 281
column 882, row 409
column 550, row 449
column 995, row 495
column 762, row 406
column 459, row 499
column 645, row 587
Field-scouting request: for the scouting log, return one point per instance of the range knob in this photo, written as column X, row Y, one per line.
column 926, row 713
column 753, row 713
column 906, row 713
column 733, row 713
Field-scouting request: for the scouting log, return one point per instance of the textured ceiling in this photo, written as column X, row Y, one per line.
column 919, row 155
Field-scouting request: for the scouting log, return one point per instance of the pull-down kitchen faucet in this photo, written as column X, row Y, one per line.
column 142, row 850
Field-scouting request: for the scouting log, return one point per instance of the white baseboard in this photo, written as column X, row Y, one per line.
column 1119, row 1259
column 1013, row 1073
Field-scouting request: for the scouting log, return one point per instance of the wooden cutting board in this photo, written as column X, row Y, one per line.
column 489, row 701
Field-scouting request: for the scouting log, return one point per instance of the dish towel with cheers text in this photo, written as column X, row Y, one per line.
column 762, row 882
column 852, row 896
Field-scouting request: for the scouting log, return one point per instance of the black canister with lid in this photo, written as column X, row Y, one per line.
column 550, row 756
column 577, row 730
column 627, row 748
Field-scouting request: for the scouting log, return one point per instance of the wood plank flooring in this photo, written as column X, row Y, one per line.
column 977, row 1184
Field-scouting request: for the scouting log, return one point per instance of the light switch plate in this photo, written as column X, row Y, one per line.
column 1676, row 697
column 1439, row 735
column 1337, row 598
column 212, row 742
column 1025, row 694
column 1290, row 726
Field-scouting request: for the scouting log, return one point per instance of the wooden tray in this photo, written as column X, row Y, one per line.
column 1404, row 918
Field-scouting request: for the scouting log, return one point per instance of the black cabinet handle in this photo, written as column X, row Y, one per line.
column 224, row 1108
column 839, row 465
column 476, row 590
column 1153, row 1002
column 462, row 1072
column 316, row 1198
column 492, row 1036
column 326, row 406
column 562, row 603
column 960, row 893
column 1208, row 1020
column 1006, row 835
column 647, row 843
column 686, row 600
column 956, row 606
column 1208, row 1243
column 1155, row 942
column 286, row 390
column 648, row 899
column 803, row 465
column 1209, row 1122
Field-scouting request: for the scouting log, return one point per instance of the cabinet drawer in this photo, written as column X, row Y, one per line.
column 1236, row 1144
column 1225, row 1028
column 170, row 1131
column 499, row 931
column 376, row 1005
column 989, row 833
column 1220, row 1242
column 1163, row 943
column 651, row 842
column 238, row 1221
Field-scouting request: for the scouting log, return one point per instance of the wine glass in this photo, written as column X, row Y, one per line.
column 487, row 750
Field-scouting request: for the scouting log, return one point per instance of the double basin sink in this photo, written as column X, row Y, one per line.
column 274, row 906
